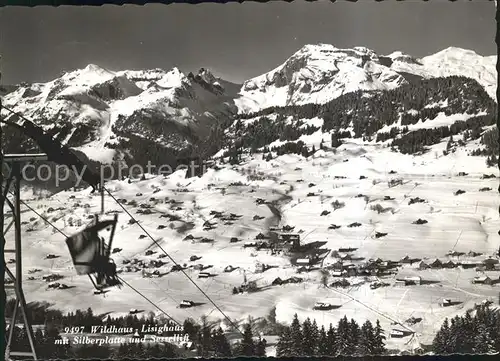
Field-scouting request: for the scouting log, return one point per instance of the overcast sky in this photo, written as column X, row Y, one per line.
column 236, row 41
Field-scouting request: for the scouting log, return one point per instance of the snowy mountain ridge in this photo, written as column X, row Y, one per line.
column 320, row 73
column 105, row 113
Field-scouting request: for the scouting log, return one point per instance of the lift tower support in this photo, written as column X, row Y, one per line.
column 12, row 185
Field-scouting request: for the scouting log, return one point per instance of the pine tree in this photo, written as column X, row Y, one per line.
column 367, row 339
column 204, row 339
column 315, row 333
column 247, row 346
column 482, row 342
column 332, row 337
column 379, row 340
column 323, row 349
column 470, row 331
column 284, row 344
column 296, row 336
column 353, row 336
column 260, row 348
column 220, row 344
column 308, row 340
column 342, row 344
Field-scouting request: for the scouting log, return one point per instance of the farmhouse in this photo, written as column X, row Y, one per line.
column 436, row 264
column 468, row 264
column 285, row 241
column 347, row 249
column 473, row 254
column 449, row 264
column 397, row 334
column 490, row 263
column 446, row 302
column 410, row 280
column 186, row 304
column 338, row 273
column 423, row 266
column 337, row 265
column 229, row 268
column 400, row 283
column 303, row 261
column 484, row 280
column 277, row 282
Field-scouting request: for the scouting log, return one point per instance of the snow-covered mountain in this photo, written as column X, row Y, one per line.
column 162, row 115
column 98, row 111
column 320, row 73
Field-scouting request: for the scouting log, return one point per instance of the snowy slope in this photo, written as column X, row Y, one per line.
column 461, row 223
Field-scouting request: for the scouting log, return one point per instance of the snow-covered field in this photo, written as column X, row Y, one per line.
column 462, row 223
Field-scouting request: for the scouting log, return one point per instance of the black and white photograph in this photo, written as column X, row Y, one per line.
column 250, row 179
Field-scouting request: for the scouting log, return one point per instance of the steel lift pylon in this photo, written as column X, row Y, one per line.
column 13, row 185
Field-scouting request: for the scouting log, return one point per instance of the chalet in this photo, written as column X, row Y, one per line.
column 186, row 304
column 405, row 259
column 289, row 237
column 338, row 273
column 204, row 275
column 260, row 267
column 337, row 266
column 468, row 264
column 473, row 254
column 323, row 306
column 277, row 282
column 413, row 280
column 340, row 283
column 229, row 268
column 445, row 302
column 409, row 281
column 455, row 254
column 436, row 264
column 294, row 279
column 449, row 264
column 198, row 267
column 303, row 261
column 396, row 334
column 490, row 263
column 423, row 266
column 347, row 249
column 484, row 280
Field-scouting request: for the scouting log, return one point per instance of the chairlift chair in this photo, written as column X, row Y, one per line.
column 91, row 253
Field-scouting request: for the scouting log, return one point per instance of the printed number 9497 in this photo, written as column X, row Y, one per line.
column 78, row 329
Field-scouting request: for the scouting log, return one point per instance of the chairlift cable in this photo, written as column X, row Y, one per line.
column 121, row 279
column 147, row 233
column 174, row 262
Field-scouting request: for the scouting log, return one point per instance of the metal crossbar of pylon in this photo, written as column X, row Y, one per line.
column 13, row 180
